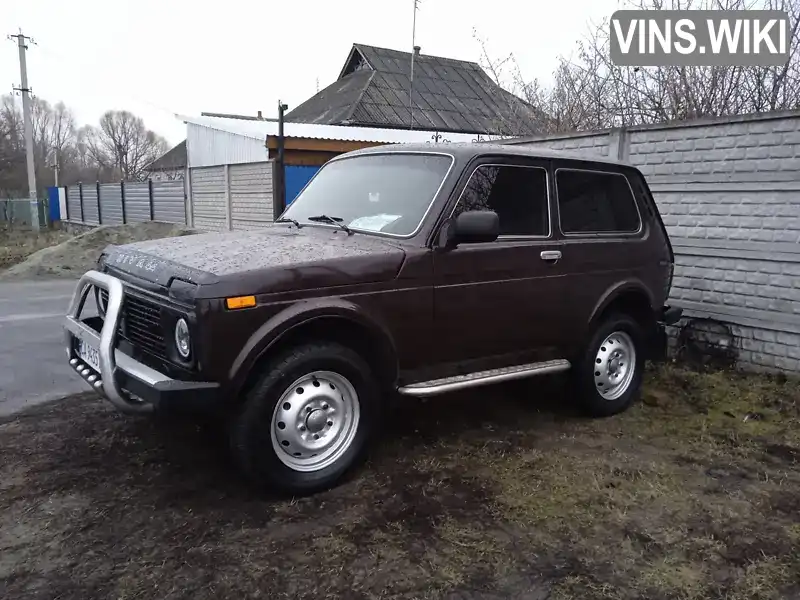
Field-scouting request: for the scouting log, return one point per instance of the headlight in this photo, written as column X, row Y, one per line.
column 101, row 302
column 182, row 338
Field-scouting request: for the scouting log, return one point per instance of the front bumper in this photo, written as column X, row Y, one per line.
column 131, row 386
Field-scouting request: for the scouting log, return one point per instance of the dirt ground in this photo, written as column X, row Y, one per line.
column 58, row 254
column 502, row 493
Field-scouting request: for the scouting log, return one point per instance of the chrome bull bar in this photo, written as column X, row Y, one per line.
column 111, row 359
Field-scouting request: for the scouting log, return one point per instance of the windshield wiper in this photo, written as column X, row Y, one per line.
column 333, row 221
column 294, row 222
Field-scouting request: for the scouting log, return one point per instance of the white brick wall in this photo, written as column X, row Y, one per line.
column 763, row 150
column 589, row 143
column 729, row 194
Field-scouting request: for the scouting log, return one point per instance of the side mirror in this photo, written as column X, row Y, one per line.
column 471, row 227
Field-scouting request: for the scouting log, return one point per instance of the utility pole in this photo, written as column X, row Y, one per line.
column 26, row 116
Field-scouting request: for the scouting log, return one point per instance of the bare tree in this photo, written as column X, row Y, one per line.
column 12, row 149
column 588, row 91
column 63, row 137
column 122, row 143
column 120, row 147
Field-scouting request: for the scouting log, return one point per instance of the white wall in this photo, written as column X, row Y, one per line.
column 206, row 147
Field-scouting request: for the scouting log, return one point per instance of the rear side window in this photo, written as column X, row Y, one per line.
column 517, row 194
column 595, row 202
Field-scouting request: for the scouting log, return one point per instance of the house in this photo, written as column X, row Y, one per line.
column 231, row 163
column 453, row 96
column 170, row 166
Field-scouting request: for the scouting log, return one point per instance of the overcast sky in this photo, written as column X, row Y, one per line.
column 161, row 57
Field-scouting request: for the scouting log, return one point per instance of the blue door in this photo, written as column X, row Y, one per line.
column 296, row 179
column 54, row 204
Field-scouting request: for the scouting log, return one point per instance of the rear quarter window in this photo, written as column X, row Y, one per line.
column 595, row 202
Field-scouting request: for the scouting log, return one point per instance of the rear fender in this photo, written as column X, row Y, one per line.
column 628, row 287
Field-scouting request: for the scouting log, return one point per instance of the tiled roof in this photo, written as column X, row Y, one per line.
column 449, row 95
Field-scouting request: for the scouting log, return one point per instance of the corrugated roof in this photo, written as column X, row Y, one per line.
column 261, row 129
column 449, row 95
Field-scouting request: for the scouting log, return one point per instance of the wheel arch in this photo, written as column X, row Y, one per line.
column 337, row 321
column 630, row 297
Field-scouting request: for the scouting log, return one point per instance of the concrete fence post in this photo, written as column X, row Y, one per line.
column 618, row 143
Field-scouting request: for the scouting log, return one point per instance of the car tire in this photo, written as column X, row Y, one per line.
column 308, row 420
column 603, row 378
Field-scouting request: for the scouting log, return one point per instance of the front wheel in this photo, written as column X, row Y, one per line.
column 308, row 420
column 609, row 376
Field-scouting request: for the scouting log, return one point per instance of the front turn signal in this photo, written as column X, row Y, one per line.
column 240, row 302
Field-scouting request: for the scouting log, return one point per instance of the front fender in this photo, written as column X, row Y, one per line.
column 301, row 313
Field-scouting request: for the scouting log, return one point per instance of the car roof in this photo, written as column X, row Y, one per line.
column 467, row 151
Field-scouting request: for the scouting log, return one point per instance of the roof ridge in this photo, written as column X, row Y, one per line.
column 447, row 58
column 360, row 96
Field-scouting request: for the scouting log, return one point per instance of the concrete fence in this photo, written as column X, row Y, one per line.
column 232, row 197
column 729, row 193
column 125, row 202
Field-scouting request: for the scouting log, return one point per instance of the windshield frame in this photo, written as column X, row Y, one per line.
column 353, row 156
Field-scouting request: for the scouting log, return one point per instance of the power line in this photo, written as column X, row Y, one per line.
column 96, row 85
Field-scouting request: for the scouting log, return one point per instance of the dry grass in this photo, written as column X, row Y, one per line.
column 18, row 244
column 507, row 493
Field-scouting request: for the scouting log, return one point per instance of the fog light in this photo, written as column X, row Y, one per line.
column 182, row 339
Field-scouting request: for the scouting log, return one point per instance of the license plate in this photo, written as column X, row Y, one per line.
column 89, row 354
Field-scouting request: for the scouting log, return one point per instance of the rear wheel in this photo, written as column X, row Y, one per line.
column 609, row 376
column 308, row 420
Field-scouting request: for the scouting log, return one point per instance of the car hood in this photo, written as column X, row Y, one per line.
column 276, row 258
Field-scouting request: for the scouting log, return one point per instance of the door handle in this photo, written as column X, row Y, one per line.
column 551, row 255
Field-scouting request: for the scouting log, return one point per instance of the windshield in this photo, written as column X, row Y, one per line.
column 387, row 193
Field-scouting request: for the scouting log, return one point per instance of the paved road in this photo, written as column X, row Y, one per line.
column 33, row 368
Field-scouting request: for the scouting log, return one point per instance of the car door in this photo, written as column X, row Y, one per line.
column 500, row 299
column 604, row 238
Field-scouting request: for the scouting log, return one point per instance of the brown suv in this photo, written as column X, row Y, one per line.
column 415, row 270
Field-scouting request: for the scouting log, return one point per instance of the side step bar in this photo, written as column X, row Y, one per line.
column 460, row 382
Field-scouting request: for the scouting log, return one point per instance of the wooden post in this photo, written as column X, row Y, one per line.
column 66, row 200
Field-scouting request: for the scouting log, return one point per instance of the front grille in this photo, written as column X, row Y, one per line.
column 140, row 324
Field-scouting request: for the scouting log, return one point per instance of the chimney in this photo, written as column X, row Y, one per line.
column 259, row 115
column 416, row 51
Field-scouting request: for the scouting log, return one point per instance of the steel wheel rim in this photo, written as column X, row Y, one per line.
column 615, row 365
column 315, row 421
